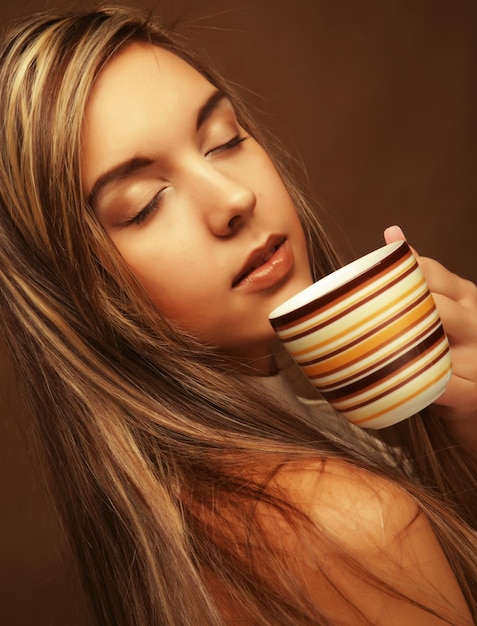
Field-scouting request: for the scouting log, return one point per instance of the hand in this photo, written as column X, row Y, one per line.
column 456, row 301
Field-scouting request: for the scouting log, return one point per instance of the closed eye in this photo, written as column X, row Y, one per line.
column 144, row 213
column 229, row 145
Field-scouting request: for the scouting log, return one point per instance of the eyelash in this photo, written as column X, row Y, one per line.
column 144, row 213
column 229, row 145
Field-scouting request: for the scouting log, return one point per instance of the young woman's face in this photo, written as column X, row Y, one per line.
column 193, row 204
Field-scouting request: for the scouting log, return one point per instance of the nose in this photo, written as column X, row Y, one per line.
column 226, row 202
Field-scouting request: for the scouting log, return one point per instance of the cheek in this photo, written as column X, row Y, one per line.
column 199, row 312
column 169, row 285
column 179, row 287
column 159, row 257
column 267, row 178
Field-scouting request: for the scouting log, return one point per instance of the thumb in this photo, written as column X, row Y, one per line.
column 393, row 233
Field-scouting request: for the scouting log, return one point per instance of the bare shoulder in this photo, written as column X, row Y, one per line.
column 363, row 509
column 365, row 525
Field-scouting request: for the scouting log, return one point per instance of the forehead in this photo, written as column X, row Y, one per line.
column 145, row 62
column 143, row 71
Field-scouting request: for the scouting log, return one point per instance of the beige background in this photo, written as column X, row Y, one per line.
column 378, row 99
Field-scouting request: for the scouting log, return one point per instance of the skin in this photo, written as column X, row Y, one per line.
column 381, row 526
column 220, row 201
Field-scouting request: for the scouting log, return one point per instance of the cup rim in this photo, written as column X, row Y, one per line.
column 331, row 286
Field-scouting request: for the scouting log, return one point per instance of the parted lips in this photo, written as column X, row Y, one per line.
column 369, row 337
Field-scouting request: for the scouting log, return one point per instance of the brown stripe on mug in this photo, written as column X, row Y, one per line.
column 400, row 385
column 374, row 331
column 383, row 374
column 374, row 365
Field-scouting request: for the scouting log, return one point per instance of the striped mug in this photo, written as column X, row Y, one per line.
column 369, row 338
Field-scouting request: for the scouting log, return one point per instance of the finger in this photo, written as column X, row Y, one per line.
column 459, row 400
column 459, row 322
column 442, row 281
column 395, row 233
column 464, row 366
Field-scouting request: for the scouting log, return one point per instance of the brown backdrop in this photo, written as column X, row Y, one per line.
column 378, row 100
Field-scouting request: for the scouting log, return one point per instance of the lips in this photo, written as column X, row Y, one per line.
column 259, row 257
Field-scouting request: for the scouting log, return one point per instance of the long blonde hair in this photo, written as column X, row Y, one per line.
column 136, row 419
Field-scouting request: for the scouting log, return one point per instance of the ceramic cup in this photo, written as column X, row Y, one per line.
column 369, row 338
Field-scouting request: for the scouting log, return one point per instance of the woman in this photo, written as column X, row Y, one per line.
column 145, row 235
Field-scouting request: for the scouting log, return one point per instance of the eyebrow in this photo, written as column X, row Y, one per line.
column 131, row 166
column 119, row 172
